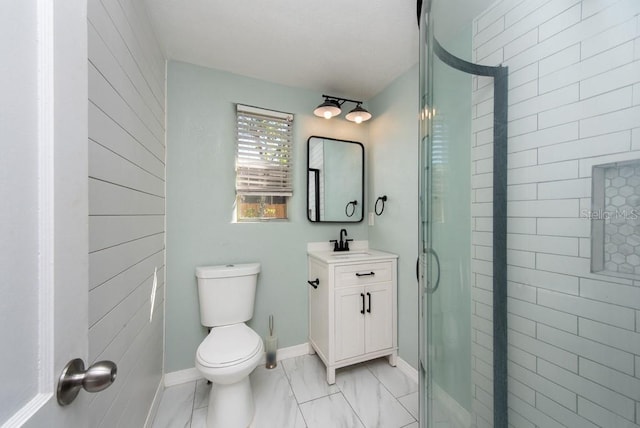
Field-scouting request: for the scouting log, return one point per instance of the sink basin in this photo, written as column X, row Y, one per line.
column 351, row 255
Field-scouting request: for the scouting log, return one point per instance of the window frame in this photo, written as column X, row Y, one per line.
column 264, row 162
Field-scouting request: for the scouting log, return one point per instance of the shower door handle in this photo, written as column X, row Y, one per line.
column 437, row 259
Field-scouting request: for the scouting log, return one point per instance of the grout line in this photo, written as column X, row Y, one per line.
column 351, row 407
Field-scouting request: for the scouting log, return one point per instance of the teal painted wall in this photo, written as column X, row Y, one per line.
column 393, row 171
column 200, row 192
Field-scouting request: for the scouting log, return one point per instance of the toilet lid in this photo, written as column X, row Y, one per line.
column 229, row 345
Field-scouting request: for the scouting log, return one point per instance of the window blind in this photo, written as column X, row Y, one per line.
column 264, row 152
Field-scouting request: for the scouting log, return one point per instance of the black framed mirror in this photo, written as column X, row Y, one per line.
column 335, row 180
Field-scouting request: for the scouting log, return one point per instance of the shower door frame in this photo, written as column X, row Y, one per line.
column 500, row 145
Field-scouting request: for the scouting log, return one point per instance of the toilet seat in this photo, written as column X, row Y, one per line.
column 228, row 345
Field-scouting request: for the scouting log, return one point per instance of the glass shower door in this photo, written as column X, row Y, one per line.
column 446, row 246
column 459, row 249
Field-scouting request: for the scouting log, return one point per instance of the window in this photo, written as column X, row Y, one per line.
column 263, row 163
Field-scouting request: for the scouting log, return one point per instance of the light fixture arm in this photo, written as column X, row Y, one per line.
column 339, row 100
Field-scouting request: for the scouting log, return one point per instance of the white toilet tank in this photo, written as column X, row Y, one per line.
column 226, row 293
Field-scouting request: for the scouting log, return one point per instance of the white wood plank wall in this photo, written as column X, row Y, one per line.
column 126, row 207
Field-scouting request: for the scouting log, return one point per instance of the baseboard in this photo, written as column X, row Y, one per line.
column 191, row 374
column 289, row 352
column 181, row 376
column 157, row 398
column 407, row 369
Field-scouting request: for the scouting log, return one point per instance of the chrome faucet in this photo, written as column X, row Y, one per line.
column 343, row 244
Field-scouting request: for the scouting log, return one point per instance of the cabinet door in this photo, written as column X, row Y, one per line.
column 349, row 322
column 378, row 317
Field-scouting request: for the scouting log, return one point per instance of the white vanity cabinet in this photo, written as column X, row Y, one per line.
column 352, row 307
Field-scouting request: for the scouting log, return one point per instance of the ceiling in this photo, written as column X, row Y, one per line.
column 350, row 49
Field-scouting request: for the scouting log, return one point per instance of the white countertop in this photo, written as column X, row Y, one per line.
column 359, row 252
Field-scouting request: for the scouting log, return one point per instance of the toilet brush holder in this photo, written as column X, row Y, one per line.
column 271, row 344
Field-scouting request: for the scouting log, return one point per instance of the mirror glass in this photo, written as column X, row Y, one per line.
column 335, row 180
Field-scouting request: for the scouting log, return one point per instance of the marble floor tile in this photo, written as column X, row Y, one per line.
column 202, row 394
column 398, row 383
column 361, row 389
column 296, row 395
column 330, row 411
column 275, row 404
column 410, row 402
column 308, row 377
column 176, row 406
column 199, row 418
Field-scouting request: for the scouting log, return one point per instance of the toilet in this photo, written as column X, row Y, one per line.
column 231, row 350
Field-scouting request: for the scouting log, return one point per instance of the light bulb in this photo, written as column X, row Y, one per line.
column 358, row 115
column 327, row 114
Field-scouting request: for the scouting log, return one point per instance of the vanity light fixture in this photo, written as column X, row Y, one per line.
column 358, row 115
column 332, row 107
column 328, row 108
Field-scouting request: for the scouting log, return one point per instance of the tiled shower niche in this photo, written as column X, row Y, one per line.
column 615, row 219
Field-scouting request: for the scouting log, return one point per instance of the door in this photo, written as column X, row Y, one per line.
column 349, row 323
column 463, row 228
column 378, row 320
column 43, row 220
column 447, row 250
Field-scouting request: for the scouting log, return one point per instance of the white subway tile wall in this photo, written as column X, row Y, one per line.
column 574, row 102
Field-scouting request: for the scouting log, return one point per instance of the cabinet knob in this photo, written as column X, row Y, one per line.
column 314, row 283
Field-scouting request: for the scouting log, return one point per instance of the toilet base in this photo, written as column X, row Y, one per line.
column 230, row 406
